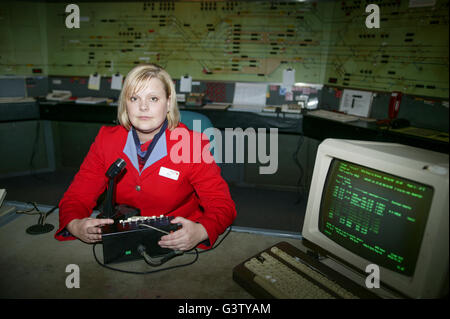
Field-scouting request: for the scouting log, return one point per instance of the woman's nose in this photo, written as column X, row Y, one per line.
column 143, row 106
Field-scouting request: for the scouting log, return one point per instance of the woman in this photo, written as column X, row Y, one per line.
column 193, row 191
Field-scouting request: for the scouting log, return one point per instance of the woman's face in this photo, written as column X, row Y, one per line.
column 147, row 109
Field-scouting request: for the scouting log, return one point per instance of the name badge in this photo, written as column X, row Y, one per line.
column 169, row 173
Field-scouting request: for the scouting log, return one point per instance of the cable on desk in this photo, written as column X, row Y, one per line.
column 190, row 252
column 216, row 245
column 143, row 272
column 154, row 262
column 301, row 188
column 35, row 211
column 35, row 145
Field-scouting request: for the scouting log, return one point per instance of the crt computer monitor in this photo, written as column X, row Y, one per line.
column 384, row 204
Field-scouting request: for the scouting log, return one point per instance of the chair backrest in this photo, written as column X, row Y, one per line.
column 188, row 117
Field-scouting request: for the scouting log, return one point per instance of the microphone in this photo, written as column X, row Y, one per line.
column 113, row 171
column 116, row 168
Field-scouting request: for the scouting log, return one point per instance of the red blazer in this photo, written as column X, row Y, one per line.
column 199, row 194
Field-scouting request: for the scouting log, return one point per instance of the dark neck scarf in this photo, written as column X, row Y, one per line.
column 144, row 155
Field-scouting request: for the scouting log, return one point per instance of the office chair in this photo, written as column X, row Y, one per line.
column 188, row 117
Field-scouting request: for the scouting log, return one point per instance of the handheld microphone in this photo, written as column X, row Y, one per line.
column 116, row 168
column 130, row 238
column 112, row 172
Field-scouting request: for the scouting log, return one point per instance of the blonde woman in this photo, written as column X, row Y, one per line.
column 192, row 191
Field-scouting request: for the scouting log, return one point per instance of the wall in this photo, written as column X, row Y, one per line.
column 326, row 42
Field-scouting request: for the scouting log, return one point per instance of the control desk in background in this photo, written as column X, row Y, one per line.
column 322, row 128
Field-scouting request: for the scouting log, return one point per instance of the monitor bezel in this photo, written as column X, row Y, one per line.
column 429, row 268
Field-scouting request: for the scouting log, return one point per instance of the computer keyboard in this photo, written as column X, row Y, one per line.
column 281, row 281
column 330, row 115
column 284, row 272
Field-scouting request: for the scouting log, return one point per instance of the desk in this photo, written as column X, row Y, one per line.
column 69, row 111
column 320, row 129
column 23, row 111
column 34, row 266
column 221, row 119
column 70, row 128
column 310, row 126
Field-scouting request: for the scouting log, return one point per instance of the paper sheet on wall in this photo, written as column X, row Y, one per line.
column 356, row 102
column 94, row 82
column 116, row 82
column 288, row 79
column 186, row 84
column 250, row 94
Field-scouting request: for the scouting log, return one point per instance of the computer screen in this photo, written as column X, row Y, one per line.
column 12, row 86
column 384, row 204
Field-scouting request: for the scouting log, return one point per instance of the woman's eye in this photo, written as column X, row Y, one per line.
column 132, row 99
column 154, row 99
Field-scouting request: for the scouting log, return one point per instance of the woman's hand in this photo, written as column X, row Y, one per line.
column 88, row 229
column 186, row 237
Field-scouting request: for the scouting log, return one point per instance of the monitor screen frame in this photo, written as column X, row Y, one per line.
column 405, row 162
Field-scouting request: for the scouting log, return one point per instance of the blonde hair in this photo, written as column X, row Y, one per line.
column 136, row 80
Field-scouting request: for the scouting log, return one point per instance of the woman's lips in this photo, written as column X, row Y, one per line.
column 144, row 117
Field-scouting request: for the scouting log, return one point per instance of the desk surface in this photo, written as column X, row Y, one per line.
column 310, row 126
column 320, row 129
column 221, row 119
column 34, row 266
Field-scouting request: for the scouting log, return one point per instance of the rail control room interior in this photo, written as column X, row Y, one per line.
column 328, row 120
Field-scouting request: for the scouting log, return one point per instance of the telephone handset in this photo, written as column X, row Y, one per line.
column 59, row 95
column 394, row 104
